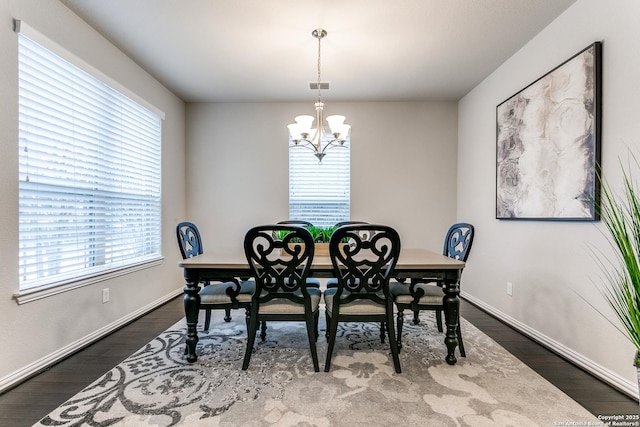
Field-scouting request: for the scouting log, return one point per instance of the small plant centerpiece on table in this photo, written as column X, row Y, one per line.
column 620, row 212
column 321, row 237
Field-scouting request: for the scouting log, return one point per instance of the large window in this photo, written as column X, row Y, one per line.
column 89, row 165
column 319, row 192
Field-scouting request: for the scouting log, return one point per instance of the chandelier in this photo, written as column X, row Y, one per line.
column 319, row 140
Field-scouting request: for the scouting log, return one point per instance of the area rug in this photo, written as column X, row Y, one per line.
column 157, row 387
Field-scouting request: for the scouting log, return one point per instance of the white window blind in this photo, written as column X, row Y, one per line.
column 89, row 174
column 320, row 192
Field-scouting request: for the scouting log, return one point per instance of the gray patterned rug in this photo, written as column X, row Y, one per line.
column 157, row 387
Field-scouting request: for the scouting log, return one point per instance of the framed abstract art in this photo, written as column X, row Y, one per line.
column 548, row 143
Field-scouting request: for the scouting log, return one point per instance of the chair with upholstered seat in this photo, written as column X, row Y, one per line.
column 426, row 293
column 280, row 258
column 333, row 282
column 226, row 294
column 362, row 267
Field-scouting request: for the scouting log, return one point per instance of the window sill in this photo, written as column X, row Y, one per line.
column 30, row 295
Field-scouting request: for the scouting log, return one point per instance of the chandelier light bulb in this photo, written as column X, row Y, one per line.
column 304, row 122
column 336, row 123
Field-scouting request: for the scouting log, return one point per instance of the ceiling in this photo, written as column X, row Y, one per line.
column 263, row 51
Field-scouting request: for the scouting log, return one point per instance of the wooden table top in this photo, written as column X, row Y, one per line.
column 410, row 259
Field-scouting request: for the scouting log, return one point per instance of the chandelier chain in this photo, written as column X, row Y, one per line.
column 319, row 42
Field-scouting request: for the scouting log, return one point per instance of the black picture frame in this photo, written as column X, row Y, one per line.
column 548, row 143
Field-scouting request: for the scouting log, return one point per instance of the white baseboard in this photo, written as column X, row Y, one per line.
column 27, row 371
column 614, row 380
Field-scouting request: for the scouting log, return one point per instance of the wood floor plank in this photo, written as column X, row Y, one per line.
column 28, row 402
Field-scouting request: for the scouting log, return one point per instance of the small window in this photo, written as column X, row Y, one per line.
column 89, row 174
column 319, row 192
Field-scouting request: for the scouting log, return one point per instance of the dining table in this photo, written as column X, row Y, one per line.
column 412, row 263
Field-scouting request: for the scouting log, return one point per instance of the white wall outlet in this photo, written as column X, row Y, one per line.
column 105, row 295
column 509, row 288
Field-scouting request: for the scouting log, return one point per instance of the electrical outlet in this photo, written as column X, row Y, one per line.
column 509, row 288
column 105, row 295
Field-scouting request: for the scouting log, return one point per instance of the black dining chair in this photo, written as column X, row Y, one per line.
column 426, row 293
column 228, row 294
column 333, row 282
column 280, row 258
column 362, row 268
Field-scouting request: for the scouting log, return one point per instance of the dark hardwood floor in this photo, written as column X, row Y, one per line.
column 28, row 402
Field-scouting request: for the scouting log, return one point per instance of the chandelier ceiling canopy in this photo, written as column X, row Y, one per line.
column 319, row 140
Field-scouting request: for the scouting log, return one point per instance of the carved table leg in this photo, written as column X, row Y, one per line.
column 263, row 331
column 451, row 310
column 400, row 325
column 191, row 309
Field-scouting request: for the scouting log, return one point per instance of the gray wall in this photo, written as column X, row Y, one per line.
column 550, row 263
column 403, row 167
column 36, row 333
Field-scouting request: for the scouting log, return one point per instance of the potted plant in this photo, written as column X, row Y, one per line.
column 321, row 237
column 620, row 212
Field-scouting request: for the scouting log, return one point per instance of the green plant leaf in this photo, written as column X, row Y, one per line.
column 620, row 212
column 321, row 234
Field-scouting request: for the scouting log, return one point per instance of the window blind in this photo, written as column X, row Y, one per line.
column 89, row 173
column 319, row 192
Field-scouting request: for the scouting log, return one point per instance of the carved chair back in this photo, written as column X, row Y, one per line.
column 457, row 243
column 189, row 240
column 363, row 258
column 279, row 257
